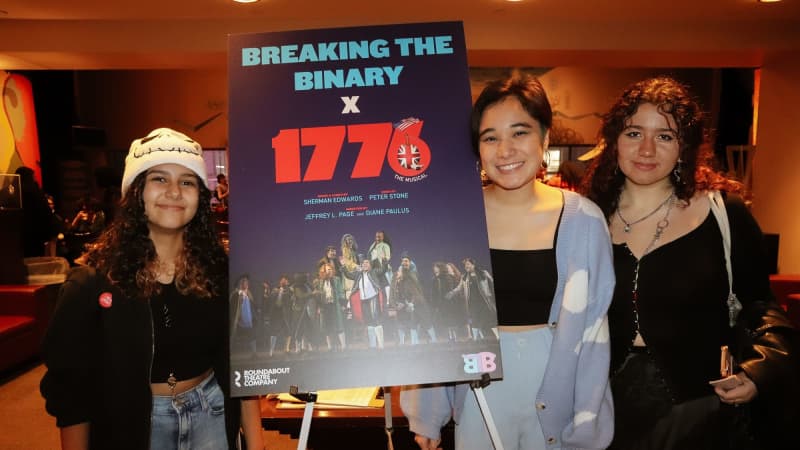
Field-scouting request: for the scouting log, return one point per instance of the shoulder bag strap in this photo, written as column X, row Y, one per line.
column 721, row 214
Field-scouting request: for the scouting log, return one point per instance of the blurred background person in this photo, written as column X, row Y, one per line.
column 37, row 217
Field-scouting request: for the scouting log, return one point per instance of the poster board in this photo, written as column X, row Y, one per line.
column 350, row 132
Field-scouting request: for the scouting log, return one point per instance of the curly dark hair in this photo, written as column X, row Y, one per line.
column 526, row 88
column 125, row 254
column 603, row 181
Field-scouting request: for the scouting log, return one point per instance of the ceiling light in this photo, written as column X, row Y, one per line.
column 245, row 1
column 768, row 1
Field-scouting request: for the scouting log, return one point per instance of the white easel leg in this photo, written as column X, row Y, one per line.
column 310, row 398
column 494, row 435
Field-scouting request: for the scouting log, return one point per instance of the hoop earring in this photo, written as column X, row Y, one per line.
column 545, row 159
column 676, row 172
column 481, row 173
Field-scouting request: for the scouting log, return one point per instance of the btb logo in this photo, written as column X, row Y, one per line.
column 482, row 362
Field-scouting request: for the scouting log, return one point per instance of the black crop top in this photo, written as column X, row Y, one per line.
column 682, row 309
column 525, row 283
column 187, row 331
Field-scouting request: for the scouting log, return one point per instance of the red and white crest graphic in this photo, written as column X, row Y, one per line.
column 408, row 157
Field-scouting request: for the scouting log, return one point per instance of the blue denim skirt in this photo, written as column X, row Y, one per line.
column 194, row 419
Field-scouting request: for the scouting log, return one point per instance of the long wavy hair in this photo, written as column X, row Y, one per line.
column 454, row 268
column 604, row 181
column 349, row 251
column 125, row 254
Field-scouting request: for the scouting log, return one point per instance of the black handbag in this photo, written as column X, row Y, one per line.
column 771, row 418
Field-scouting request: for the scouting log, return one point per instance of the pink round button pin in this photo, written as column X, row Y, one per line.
column 105, row 300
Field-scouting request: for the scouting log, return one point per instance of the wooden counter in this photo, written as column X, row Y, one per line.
column 351, row 428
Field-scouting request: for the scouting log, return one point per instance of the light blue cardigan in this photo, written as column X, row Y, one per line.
column 574, row 402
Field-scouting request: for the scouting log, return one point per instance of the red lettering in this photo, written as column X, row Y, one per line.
column 287, row 156
column 374, row 138
column 407, row 154
column 327, row 142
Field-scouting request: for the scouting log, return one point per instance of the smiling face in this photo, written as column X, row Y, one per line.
column 511, row 144
column 171, row 196
column 648, row 147
column 468, row 266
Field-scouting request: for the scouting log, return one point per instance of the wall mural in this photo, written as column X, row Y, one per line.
column 19, row 141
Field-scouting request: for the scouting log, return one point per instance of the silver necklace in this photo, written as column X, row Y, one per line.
column 660, row 227
column 628, row 225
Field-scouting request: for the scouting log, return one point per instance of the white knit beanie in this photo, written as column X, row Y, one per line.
column 163, row 146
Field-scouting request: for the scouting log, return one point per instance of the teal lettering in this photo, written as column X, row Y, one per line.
column 289, row 54
column 321, row 51
column 334, row 78
column 379, row 48
column 424, row 46
column 303, row 81
column 427, row 45
column 354, row 78
column 404, row 44
column 373, row 76
column 318, row 79
column 250, row 57
column 358, row 49
column 443, row 45
column 341, row 78
column 327, row 51
column 393, row 73
column 269, row 55
column 307, row 53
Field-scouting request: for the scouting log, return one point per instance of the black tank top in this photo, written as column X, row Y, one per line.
column 187, row 334
column 525, row 283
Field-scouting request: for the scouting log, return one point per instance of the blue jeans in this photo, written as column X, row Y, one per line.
column 194, row 419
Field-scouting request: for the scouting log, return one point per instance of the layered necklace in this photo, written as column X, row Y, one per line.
column 628, row 225
column 660, row 227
